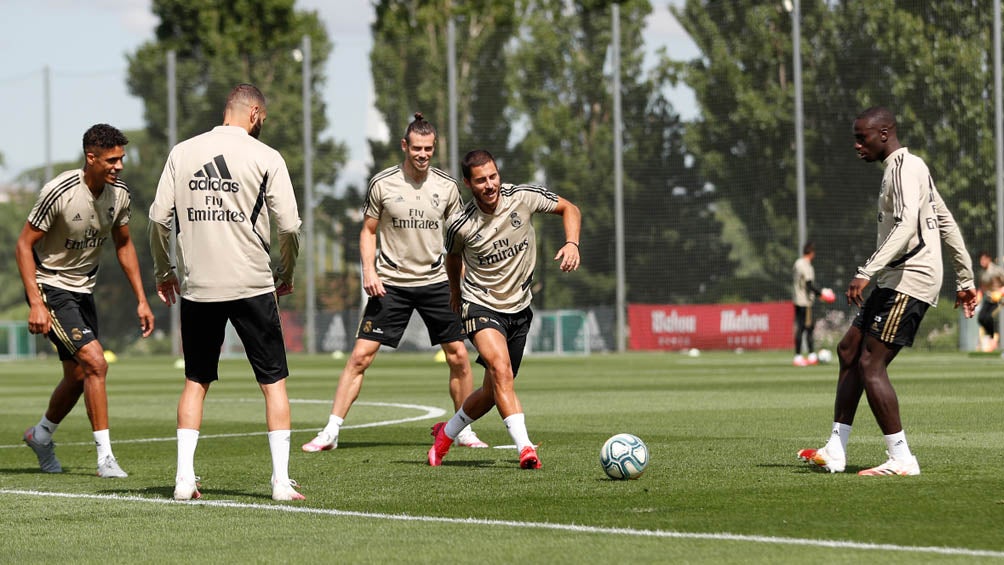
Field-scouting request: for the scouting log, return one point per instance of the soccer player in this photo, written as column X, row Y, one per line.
column 406, row 206
column 804, row 293
column 217, row 191
column 58, row 253
column 492, row 253
column 991, row 283
column 907, row 271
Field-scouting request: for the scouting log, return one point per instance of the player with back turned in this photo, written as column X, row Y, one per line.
column 218, row 191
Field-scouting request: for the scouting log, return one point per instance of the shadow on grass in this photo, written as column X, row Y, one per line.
column 807, row 469
column 167, row 491
column 370, row 444
column 455, row 463
column 34, row 471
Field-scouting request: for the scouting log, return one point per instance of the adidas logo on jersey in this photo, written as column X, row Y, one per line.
column 214, row 175
column 77, row 218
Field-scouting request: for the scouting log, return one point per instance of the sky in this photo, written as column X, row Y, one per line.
column 84, row 46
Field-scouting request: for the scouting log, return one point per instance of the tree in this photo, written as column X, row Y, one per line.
column 541, row 103
column 409, row 67
column 931, row 68
column 563, row 88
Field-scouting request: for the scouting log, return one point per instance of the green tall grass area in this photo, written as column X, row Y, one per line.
column 722, row 430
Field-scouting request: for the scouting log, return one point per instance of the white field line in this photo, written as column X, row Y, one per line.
column 573, row 528
column 429, row 412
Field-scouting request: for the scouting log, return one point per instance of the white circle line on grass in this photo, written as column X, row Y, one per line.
column 574, row 528
column 429, row 413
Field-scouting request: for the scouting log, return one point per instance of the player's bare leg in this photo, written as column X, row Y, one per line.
column 190, row 404
column 461, row 385
column 875, row 358
column 495, row 352
column 93, row 369
column 350, row 383
column 278, row 421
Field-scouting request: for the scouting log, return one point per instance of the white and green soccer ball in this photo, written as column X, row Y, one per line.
column 624, row 456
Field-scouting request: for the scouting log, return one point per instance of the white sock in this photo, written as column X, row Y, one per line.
column 839, row 435
column 897, row 446
column 845, row 434
column 188, row 439
column 458, row 422
column 516, row 424
column 334, row 424
column 44, row 430
column 278, row 443
column 104, row 444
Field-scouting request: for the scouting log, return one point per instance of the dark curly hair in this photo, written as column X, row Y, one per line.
column 103, row 136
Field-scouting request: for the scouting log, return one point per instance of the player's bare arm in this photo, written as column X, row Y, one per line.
column 367, row 256
column 455, row 274
column 571, row 217
column 39, row 320
column 126, row 253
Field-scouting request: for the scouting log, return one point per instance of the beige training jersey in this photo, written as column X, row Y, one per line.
column 76, row 225
column 220, row 188
column 411, row 221
column 803, row 272
column 500, row 249
column 912, row 222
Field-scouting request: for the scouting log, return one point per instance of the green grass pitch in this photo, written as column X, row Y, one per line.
column 723, row 484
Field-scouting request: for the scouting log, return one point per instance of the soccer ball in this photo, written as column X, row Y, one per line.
column 624, row 456
column 824, row 356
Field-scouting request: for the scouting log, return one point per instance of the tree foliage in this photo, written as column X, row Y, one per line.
column 564, row 87
column 409, row 67
column 534, row 89
column 927, row 61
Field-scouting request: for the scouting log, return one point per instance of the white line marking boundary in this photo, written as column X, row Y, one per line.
column 430, row 412
column 953, row 551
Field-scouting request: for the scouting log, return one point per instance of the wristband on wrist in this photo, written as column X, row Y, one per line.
column 573, row 243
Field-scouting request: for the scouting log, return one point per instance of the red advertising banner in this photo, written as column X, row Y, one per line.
column 762, row 325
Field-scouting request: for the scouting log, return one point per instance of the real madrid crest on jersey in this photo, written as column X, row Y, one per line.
column 111, row 213
column 514, row 220
column 435, row 200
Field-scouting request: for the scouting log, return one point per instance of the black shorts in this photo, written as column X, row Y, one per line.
column 514, row 327
column 386, row 317
column 74, row 319
column 256, row 319
column 803, row 317
column 890, row 316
